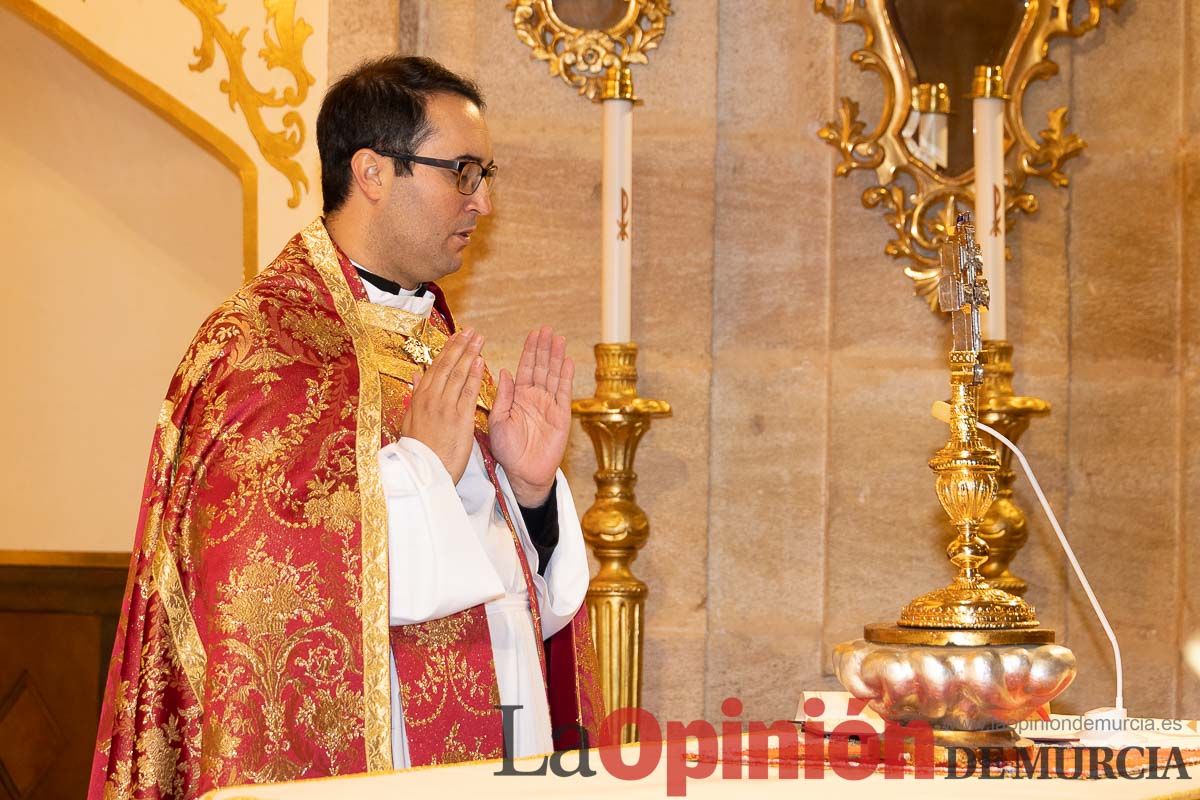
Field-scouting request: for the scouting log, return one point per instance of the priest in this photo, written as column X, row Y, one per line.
column 355, row 550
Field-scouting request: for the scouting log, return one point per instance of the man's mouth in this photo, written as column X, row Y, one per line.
column 464, row 234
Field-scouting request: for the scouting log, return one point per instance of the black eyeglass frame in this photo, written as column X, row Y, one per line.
column 487, row 173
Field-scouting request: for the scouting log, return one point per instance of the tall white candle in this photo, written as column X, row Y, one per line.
column 616, row 222
column 989, row 194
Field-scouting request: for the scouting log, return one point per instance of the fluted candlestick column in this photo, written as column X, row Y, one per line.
column 1004, row 526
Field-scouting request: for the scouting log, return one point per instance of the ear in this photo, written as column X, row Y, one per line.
column 371, row 174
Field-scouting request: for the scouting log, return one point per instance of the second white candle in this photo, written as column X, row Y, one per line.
column 988, row 117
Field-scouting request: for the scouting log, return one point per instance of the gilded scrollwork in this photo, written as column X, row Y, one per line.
column 846, row 134
column 282, row 49
column 582, row 57
column 1055, row 147
column 919, row 202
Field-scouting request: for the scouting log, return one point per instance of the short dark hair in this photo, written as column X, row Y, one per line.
column 381, row 105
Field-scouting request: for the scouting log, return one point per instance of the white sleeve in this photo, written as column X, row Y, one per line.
column 436, row 564
column 562, row 590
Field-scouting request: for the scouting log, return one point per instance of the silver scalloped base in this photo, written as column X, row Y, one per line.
column 954, row 688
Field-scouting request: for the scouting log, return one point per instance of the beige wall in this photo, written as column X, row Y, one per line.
column 158, row 45
column 121, row 235
column 789, row 498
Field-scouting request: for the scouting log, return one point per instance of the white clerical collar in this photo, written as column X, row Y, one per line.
column 405, row 300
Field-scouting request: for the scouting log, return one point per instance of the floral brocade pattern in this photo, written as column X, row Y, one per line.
column 239, row 654
column 448, row 689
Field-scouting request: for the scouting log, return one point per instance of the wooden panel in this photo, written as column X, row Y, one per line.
column 31, row 742
column 57, row 624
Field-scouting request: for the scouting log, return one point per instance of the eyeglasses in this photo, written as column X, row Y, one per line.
column 470, row 173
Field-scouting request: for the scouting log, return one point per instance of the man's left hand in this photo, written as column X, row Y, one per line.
column 531, row 416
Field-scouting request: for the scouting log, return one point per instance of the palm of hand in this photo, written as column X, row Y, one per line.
column 532, row 415
column 533, row 433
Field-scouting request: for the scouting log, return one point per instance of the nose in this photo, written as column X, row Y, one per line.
column 480, row 201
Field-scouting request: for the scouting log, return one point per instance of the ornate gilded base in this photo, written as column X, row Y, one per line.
column 968, row 604
column 956, row 689
column 889, row 633
column 966, row 487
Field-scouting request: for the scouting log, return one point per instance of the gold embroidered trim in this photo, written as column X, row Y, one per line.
column 377, row 700
column 184, row 634
column 397, row 368
column 392, row 354
column 391, row 359
column 397, row 320
column 419, row 342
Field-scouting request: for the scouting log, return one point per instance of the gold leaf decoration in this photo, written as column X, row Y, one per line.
column 283, row 48
column 1057, row 147
column 847, row 136
column 921, row 203
column 582, row 57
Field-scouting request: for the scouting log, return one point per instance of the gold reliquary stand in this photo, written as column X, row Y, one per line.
column 969, row 659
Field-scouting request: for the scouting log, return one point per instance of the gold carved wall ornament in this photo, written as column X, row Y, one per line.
column 920, row 201
column 582, row 57
column 283, row 48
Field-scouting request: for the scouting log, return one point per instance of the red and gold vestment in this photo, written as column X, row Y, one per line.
column 254, row 640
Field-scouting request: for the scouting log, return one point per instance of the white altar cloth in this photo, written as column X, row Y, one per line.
column 478, row 779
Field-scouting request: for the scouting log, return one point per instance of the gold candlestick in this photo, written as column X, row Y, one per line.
column 970, row 659
column 1004, row 526
column 615, row 527
column 593, row 49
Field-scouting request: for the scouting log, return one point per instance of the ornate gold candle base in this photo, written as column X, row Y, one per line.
column 615, row 526
column 969, row 659
column 1004, row 526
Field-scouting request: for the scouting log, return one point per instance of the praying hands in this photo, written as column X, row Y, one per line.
column 530, row 418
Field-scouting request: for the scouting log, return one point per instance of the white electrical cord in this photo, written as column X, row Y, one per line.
column 941, row 410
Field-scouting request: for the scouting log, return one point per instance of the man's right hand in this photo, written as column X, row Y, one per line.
column 441, row 413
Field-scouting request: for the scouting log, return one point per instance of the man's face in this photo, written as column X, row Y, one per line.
column 426, row 223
